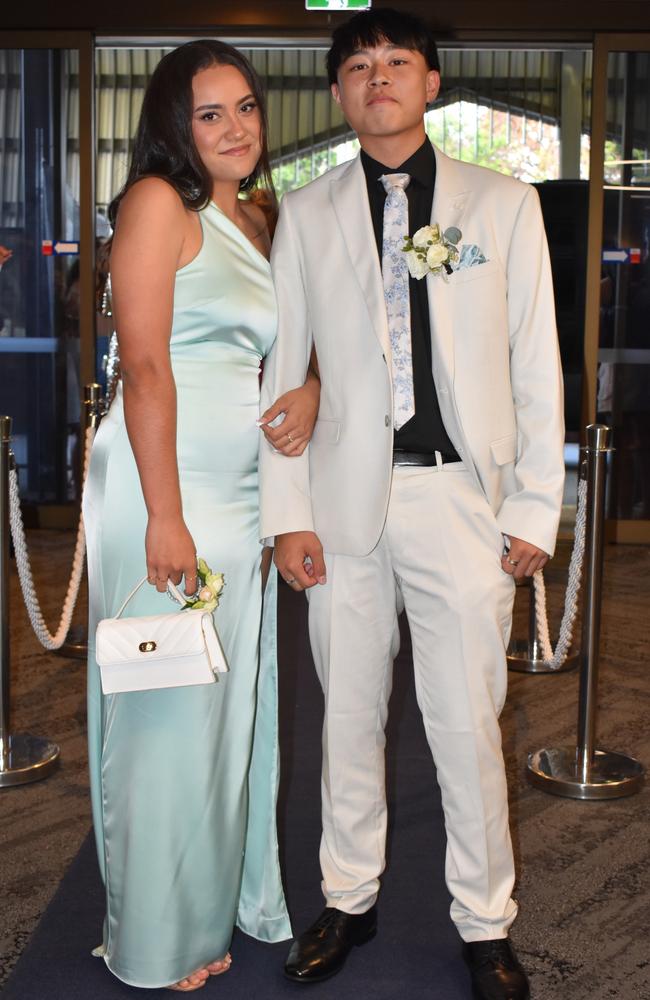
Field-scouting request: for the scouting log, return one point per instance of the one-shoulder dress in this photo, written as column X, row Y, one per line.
column 184, row 780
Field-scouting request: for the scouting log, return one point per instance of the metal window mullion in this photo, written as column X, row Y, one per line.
column 4, row 172
column 329, row 133
column 477, row 115
column 525, row 98
column 297, row 126
column 112, row 121
column 87, row 210
column 595, row 230
column 492, row 103
column 509, row 67
column 313, row 112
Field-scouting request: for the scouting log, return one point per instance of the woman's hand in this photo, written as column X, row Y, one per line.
column 300, row 407
column 171, row 553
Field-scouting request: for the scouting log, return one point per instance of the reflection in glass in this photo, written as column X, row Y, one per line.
column 624, row 354
column 39, row 301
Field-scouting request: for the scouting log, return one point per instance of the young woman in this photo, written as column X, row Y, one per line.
column 184, row 780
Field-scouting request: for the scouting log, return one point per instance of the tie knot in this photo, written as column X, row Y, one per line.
column 391, row 181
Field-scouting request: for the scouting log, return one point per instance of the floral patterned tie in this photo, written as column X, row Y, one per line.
column 396, row 293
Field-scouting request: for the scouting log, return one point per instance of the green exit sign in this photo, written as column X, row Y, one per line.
column 338, row 4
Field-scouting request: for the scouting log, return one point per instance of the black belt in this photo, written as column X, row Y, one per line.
column 418, row 458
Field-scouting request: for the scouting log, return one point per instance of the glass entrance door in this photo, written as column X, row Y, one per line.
column 45, row 204
column 618, row 305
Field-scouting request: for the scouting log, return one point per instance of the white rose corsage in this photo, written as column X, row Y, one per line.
column 429, row 251
column 209, row 589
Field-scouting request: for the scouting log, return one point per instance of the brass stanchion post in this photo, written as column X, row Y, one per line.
column 23, row 758
column 76, row 643
column 584, row 772
column 92, row 404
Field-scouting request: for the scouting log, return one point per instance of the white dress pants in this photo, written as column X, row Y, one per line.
column 439, row 554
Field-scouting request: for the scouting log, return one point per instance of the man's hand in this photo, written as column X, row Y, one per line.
column 523, row 559
column 291, row 551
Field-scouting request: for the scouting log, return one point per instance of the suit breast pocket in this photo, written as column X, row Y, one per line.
column 326, row 431
column 504, row 449
column 490, row 268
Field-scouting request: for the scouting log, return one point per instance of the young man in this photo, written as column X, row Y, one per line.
column 433, row 478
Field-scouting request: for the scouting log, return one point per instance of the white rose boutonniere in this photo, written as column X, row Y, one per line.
column 431, row 252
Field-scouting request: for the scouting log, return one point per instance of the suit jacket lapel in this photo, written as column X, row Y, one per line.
column 449, row 200
column 350, row 201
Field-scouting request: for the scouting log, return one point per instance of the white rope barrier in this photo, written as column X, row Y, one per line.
column 555, row 658
column 30, row 596
column 552, row 658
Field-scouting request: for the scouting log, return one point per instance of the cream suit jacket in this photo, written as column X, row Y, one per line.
column 495, row 358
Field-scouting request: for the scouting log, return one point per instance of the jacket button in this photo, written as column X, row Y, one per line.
column 387, row 420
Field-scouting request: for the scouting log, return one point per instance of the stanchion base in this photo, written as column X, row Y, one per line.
column 26, row 758
column 611, row 776
column 525, row 657
column 76, row 644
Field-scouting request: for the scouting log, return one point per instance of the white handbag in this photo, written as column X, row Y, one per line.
column 158, row 651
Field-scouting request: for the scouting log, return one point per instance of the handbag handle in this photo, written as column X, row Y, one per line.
column 172, row 589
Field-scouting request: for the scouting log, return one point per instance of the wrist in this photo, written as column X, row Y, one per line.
column 170, row 516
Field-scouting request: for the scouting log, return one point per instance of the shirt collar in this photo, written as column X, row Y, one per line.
column 421, row 166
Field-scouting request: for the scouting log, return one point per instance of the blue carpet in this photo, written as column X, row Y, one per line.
column 416, row 953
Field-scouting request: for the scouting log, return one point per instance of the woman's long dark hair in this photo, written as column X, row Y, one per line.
column 164, row 146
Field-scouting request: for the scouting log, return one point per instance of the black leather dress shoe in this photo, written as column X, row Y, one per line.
column 496, row 972
column 322, row 950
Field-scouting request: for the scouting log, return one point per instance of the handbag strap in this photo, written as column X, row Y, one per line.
column 171, row 589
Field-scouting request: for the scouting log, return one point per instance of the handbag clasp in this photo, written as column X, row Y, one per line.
column 147, row 647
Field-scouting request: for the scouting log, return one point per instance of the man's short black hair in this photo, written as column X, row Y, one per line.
column 370, row 28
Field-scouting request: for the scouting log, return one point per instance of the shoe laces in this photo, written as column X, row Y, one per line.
column 495, row 953
column 326, row 919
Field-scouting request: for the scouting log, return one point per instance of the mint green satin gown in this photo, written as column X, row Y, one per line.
column 184, row 780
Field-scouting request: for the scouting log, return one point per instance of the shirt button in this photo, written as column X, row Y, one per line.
column 387, row 420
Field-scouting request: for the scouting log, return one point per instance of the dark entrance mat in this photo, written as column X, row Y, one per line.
column 416, row 953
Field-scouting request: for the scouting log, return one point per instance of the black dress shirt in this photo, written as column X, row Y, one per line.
column 425, row 431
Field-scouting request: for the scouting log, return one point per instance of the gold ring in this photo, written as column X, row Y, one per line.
column 290, row 438
column 512, row 562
